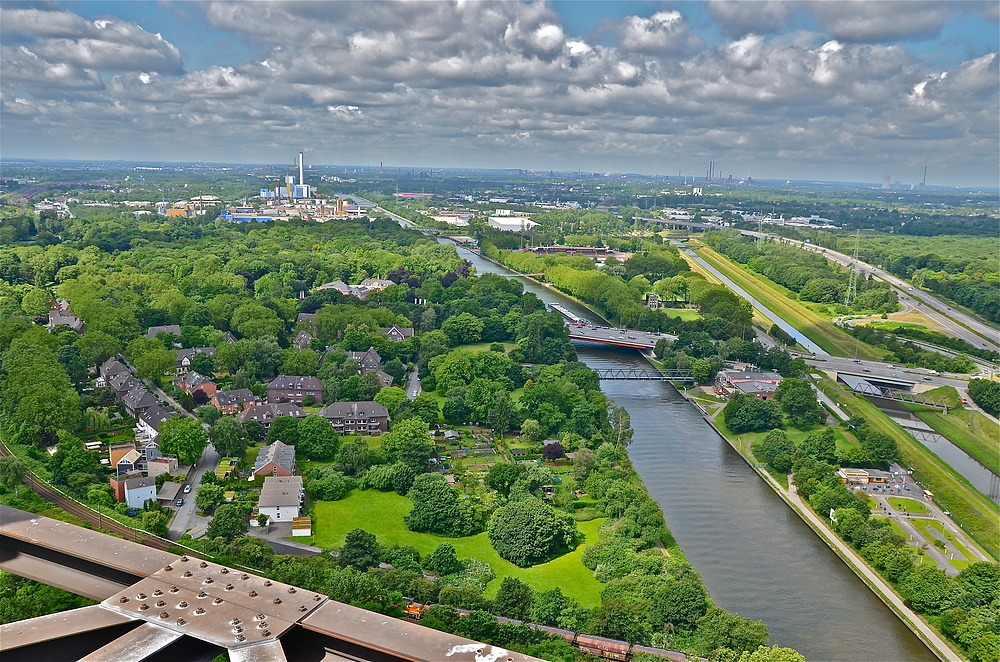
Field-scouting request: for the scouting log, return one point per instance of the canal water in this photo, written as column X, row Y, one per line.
column 756, row 557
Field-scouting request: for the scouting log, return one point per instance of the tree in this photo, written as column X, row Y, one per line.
column 584, row 461
column 253, row 430
column 680, row 603
column 284, row 429
column 324, row 483
column 821, row 445
column 797, row 399
column 360, row 550
column 184, row 438
column 879, row 446
column 500, row 414
column 531, row 429
column 443, row 560
column 391, row 397
column 228, row 437
column 514, row 599
column 154, row 364
column 427, row 408
column 229, row 522
column 621, row 426
column 748, row 413
column 622, row 618
column 437, row 508
column 317, row 439
column 502, row 476
column 408, row 442
column 927, row 589
column 552, row 451
column 12, row 472
column 203, row 364
column 527, row 531
column 720, row 629
column 353, row 458
column 463, row 328
column 701, row 371
column 100, row 495
column 155, row 522
column 209, row 496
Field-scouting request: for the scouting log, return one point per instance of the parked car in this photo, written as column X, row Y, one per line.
column 180, row 502
column 187, row 489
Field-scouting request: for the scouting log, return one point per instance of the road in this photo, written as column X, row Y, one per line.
column 955, row 322
column 412, row 384
column 765, row 311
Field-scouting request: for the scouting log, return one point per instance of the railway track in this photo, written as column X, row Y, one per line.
column 56, row 498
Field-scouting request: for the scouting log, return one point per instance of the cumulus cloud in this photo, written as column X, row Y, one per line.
column 738, row 18
column 877, row 22
column 501, row 83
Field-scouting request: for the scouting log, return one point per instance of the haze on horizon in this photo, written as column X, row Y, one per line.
column 838, row 91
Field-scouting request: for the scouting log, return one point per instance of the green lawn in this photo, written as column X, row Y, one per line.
column 485, row 346
column 382, row 514
column 686, row 314
column 924, row 524
column 908, row 505
column 818, row 329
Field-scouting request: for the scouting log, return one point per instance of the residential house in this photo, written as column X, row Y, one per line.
column 61, row 315
column 349, row 417
column 235, row 401
column 306, row 317
column 134, row 491
column 147, row 427
column 230, row 338
column 398, row 333
column 109, row 369
column 172, row 329
column 161, row 465
column 125, row 459
column 302, row 339
column 763, row 390
column 764, row 385
column 182, row 359
column 338, row 285
column 367, row 361
column 123, row 383
column 266, row 413
column 193, row 382
column 376, row 284
column 138, row 400
column 277, row 459
column 295, row 389
column 281, row 498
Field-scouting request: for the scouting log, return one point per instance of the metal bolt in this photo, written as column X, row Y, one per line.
column 237, row 629
column 235, row 621
column 217, row 601
column 141, row 596
column 164, row 614
column 240, row 637
column 317, row 598
column 262, row 625
column 202, row 565
column 303, row 608
column 123, row 599
column 184, row 559
column 277, row 601
column 291, row 589
column 161, row 603
column 209, row 580
column 157, row 592
column 267, row 582
column 266, row 633
column 174, row 589
column 260, row 617
column 181, row 621
column 252, row 594
column 199, row 611
column 187, row 573
column 143, row 607
column 246, row 577
column 168, row 568
column 182, row 604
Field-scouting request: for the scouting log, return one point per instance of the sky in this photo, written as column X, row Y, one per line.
column 831, row 90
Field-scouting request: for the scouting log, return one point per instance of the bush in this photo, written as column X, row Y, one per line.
column 527, row 532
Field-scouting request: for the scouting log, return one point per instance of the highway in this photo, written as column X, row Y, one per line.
column 957, row 323
column 764, row 310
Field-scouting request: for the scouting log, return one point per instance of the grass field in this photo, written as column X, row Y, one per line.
column 968, row 429
column 382, row 513
column 821, row 331
column 924, row 524
column 686, row 314
column 908, row 505
column 979, row 516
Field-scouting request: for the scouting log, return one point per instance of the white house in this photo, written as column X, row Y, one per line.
column 138, row 491
column 281, row 498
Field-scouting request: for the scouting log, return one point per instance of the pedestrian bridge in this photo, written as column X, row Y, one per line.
column 645, row 375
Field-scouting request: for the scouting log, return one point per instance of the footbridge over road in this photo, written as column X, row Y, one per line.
column 158, row 605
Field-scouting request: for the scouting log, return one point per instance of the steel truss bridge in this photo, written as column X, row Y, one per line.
column 902, row 395
column 645, row 375
column 160, row 606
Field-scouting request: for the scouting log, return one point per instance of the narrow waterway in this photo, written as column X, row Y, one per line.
column 756, row 557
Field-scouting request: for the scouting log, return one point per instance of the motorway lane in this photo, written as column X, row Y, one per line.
column 878, row 369
column 981, row 334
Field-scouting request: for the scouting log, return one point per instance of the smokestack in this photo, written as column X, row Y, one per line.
column 301, row 178
column 924, row 182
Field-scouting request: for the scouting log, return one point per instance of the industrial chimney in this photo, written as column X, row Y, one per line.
column 301, row 178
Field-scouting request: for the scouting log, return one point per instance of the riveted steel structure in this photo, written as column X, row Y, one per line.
column 156, row 605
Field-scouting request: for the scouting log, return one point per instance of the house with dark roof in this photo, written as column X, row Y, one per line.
column 126, row 459
column 147, row 428
column 138, row 400
column 285, row 388
column 232, row 402
column 398, row 333
column 192, row 382
column 367, row 361
column 349, row 417
column 277, row 459
column 305, row 317
column 230, row 338
column 123, row 383
column 61, row 315
column 302, row 339
column 112, row 367
column 266, row 413
column 281, row 498
column 172, row 329
column 182, row 357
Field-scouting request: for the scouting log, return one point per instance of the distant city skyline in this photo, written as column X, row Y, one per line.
column 832, row 91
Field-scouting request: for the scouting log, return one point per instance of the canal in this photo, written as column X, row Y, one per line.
column 755, row 555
